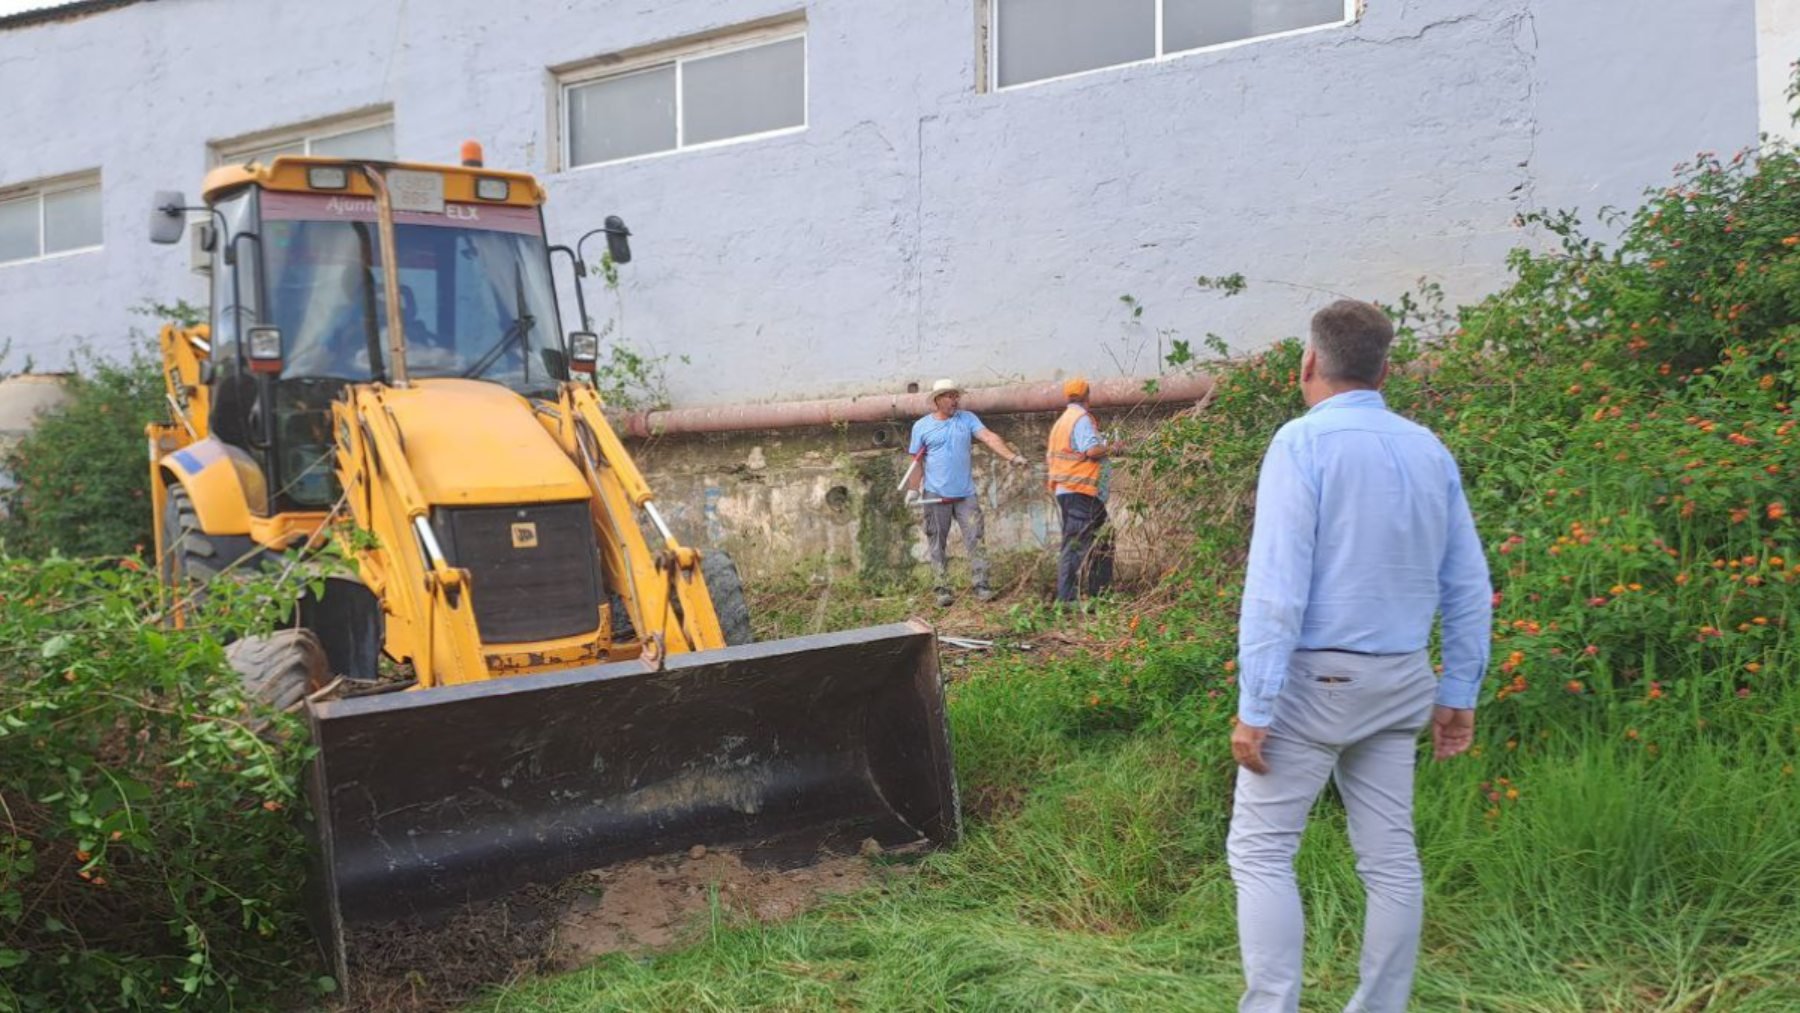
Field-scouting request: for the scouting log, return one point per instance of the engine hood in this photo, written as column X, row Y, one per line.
column 472, row 443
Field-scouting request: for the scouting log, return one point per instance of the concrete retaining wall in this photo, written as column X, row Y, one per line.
column 827, row 497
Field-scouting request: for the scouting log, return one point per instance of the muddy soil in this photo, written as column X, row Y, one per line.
column 636, row 906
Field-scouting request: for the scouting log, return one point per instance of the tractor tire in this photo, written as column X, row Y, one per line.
column 280, row 668
column 190, row 555
column 727, row 590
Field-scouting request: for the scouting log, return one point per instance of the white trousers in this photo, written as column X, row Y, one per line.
column 1357, row 718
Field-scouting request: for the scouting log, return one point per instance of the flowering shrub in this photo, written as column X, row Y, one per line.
column 1623, row 416
column 149, row 856
column 1624, row 419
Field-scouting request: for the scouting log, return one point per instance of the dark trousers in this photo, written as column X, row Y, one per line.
column 1085, row 563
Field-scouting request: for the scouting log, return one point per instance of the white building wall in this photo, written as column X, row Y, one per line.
column 918, row 226
column 1777, row 47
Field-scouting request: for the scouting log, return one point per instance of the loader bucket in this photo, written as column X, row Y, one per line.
column 427, row 799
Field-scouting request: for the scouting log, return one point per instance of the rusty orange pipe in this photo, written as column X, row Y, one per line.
column 1119, row 392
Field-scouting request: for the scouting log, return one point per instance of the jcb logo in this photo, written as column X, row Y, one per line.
column 524, row 535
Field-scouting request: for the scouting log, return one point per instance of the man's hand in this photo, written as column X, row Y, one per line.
column 1019, row 461
column 1452, row 731
column 1246, row 747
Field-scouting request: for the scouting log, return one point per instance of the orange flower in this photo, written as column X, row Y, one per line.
column 1753, row 667
column 1777, row 511
column 1231, row 665
column 272, row 806
column 1575, row 686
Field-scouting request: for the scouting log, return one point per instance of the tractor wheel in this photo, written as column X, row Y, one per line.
column 190, row 555
column 279, row 668
column 727, row 591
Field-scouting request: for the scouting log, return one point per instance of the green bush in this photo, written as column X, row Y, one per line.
column 82, row 477
column 1622, row 414
column 149, row 856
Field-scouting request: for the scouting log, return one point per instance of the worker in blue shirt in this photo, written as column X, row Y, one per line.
column 1362, row 537
column 945, row 438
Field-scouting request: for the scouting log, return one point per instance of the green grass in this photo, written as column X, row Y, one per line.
column 1093, row 878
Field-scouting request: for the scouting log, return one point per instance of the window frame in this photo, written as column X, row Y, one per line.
column 36, row 191
column 247, row 147
column 566, row 78
column 990, row 51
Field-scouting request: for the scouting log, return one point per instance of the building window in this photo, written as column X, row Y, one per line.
column 50, row 217
column 748, row 83
column 1034, row 40
column 364, row 135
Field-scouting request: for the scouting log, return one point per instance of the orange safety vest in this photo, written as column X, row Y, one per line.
column 1070, row 469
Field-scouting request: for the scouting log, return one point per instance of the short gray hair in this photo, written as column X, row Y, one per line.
column 1350, row 341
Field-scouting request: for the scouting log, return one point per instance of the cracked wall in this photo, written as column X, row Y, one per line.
column 917, row 227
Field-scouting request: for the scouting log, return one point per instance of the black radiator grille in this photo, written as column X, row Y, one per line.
column 534, row 569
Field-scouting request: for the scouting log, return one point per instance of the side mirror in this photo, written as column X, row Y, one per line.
column 584, row 351
column 169, row 217
column 618, row 243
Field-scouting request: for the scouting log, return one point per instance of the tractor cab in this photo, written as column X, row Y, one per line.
column 302, row 305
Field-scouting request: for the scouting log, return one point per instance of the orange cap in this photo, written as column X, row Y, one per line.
column 1077, row 387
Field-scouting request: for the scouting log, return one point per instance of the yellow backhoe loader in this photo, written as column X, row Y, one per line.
column 384, row 366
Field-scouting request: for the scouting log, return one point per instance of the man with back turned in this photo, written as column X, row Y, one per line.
column 1362, row 538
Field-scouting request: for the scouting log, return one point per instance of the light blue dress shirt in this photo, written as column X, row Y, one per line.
column 1362, row 537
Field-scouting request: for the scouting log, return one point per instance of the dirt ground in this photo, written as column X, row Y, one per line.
column 636, row 906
